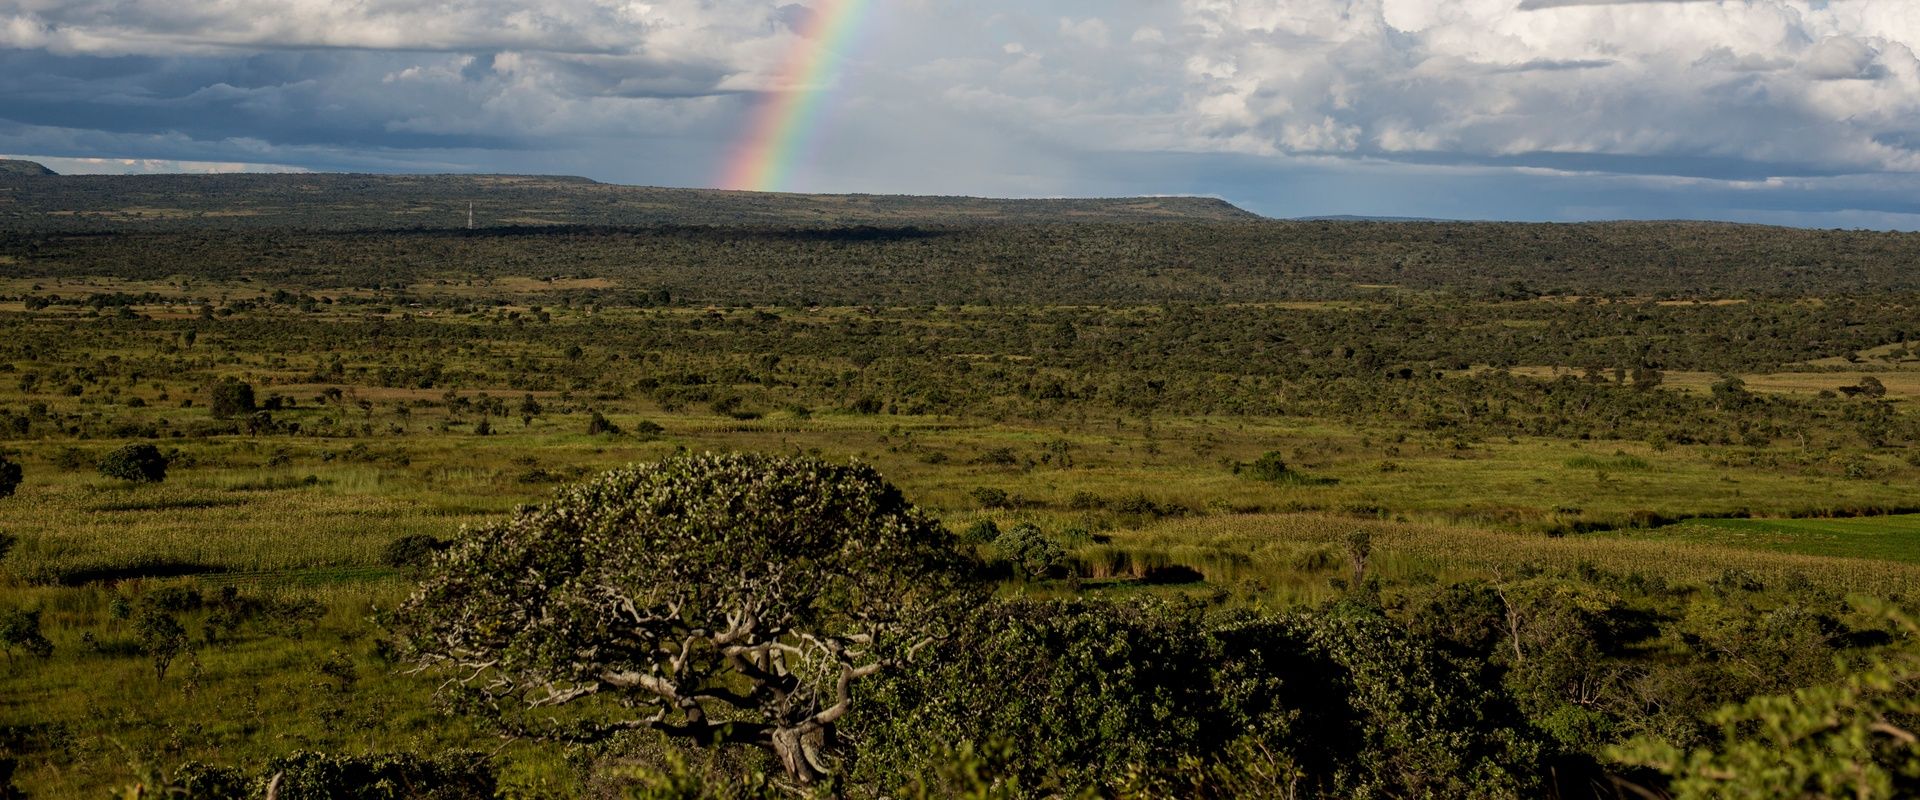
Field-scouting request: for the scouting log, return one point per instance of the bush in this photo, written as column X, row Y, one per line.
column 1031, row 551
column 675, row 570
column 309, row 775
column 161, row 638
column 1123, row 697
column 982, row 532
column 599, row 424
column 989, row 497
column 412, row 550
column 1366, row 709
column 1270, row 466
column 232, row 398
column 9, row 477
column 197, row 780
column 20, row 630
column 175, row 598
column 1087, row 690
column 141, row 463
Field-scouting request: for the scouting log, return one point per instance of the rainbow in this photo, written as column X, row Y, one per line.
column 777, row 136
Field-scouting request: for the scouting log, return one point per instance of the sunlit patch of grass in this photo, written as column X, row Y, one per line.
column 1619, row 462
column 1409, row 551
column 1892, row 538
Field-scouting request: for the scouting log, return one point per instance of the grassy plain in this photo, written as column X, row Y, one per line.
column 309, row 513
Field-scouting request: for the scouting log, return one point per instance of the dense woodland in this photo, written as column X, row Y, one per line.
column 735, row 502
column 1009, row 264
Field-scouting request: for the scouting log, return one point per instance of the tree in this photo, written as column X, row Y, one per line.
column 1030, row 550
column 1854, row 738
column 1647, row 378
column 232, row 398
column 142, row 463
column 725, row 599
column 161, row 637
column 9, row 477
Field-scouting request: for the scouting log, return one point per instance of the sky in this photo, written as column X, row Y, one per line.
column 1798, row 112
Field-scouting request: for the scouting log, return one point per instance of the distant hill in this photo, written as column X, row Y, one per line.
column 347, row 202
column 13, row 167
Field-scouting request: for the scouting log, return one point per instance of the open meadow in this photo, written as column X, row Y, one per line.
column 1715, row 500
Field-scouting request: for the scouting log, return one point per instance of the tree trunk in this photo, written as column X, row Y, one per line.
column 789, row 746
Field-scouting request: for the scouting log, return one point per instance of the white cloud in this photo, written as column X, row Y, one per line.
column 1091, row 32
column 1787, row 82
column 1839, row 58
column 972, row 94
column 150, row 166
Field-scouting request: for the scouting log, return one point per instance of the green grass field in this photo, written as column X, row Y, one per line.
column 1133, row 493
column 1890, row 538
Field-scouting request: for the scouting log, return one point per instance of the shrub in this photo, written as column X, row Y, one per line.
column 9, row 477
column 692, row 570
column 1270, row 466
column 1364, row 709
column 982, row 532
column 1119, row 698
column 599, row 424
column 1031, row 551
column 310, row 775
column 175, row 598
column 412, row 550
column 161, row 638
column 1853, row 738
column 998, row 457
column 141, row 463
column 1087, row 691
column 232, row 398
column 989, row 497
column 20, row 629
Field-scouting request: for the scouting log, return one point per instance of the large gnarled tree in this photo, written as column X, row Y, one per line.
column 726, row 599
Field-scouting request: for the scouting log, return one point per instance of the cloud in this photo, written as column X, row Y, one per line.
column 151, row 166
column 1838, row 58
column 1711, row 99
column 1533, row 5
column 1767, row 85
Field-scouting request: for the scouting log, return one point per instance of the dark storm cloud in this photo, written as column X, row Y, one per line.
column 1756, row 107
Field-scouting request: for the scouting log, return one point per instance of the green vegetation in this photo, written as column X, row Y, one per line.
column 1892, row 538
column 718, row 599
column 1235, row 506
column 139, row 462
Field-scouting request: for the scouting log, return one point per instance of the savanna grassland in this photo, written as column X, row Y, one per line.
column 1688, row 450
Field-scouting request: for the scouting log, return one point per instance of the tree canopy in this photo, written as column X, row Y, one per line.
column 726, row 599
